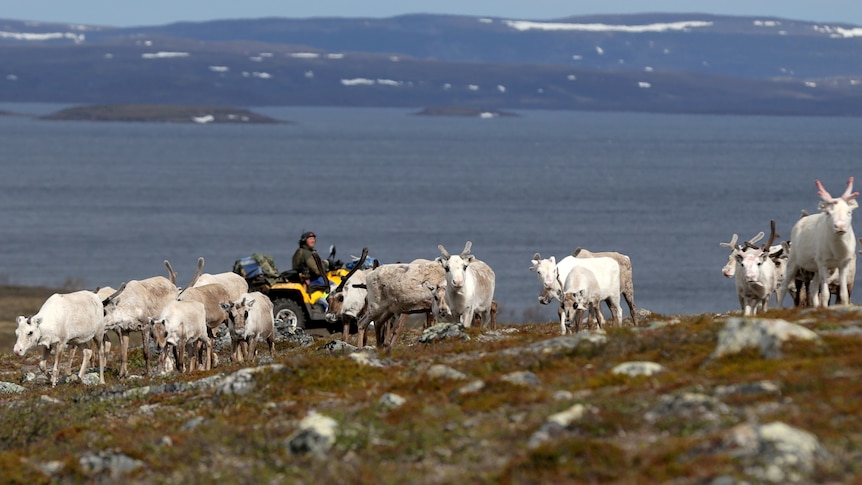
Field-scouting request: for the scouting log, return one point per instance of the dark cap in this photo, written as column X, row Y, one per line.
column 305, row 236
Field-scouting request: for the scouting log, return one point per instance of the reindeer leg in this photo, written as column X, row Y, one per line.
column 72, row 351
column 86, row 354
column 101, row 345
column 345, row 320
column 55, row 377
column 251, row 345
column 124, row 350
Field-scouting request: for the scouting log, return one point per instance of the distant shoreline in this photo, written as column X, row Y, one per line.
column 464, row 111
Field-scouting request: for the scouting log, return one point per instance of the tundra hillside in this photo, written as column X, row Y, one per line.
column 688, row 399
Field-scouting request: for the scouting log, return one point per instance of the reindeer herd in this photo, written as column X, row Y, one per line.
column 817, row 262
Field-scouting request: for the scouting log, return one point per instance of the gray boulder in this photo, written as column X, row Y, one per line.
column 315, row 436
column 443, row 331
column 764, row 334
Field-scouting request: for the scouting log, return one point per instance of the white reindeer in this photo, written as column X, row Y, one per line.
column 627, row 285
column 211, row 295
column 235, row 284
column 180, row 323
column 397, row 289
column 470, row 286
column 130, row 308
column 581, row 293
column 75, row 318
column 755, row 275
column 824, row 242
column 552, row 274
column 347, row 302
column 800, row 290
column 729, row 269
column 250, row 320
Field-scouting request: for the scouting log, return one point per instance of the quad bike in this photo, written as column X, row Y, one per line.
column 295, row 304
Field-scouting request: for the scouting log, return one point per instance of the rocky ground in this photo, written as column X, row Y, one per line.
column 690, row 399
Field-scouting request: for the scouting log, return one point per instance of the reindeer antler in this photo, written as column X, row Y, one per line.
column 731, row 244
column 772, row 236
column 821, row 191
column 353, row 270
column 849, row 194
column 443, row 251
column 172, row 275
column 467, row 247
column 757, row 237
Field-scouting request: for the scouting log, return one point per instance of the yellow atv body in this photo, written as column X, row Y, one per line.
column 299, row 306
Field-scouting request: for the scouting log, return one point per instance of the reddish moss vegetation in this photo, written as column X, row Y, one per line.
column 444, row 433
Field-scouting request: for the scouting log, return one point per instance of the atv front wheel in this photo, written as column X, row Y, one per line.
column 288, row 312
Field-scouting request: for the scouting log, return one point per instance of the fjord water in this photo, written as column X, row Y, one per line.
column 103, row 203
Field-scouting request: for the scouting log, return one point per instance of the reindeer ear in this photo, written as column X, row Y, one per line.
column 36, row 321
column 852, row 204
column 250, row 303
column 553, row 260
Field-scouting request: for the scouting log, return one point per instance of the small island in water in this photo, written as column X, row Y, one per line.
column 160, row 114
column 463, row 111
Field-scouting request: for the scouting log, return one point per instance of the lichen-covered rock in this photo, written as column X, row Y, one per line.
column 634, row 369
column 440, row 371
column 91, row 379
column 522, row 378
column 112, row 463
column 31, row 377
column 749, row 389
column 560, row 344
column 242, row 381
column 339, row 346
column 315, row 436
column 774, row 452
column 390, row 401
column 555, row 424
column 49, row 400
column 688, row 405
column 365, row 358
column 9, row 388
column 471, row 388
column 443, row 331
column 764, row 334
column 296, row 336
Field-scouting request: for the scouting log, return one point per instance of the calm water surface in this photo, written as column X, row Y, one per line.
column 103, row 203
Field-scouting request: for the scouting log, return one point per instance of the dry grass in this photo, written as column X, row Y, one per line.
column 441, row 435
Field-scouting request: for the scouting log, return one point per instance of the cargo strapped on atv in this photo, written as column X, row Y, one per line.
column 258, row 268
